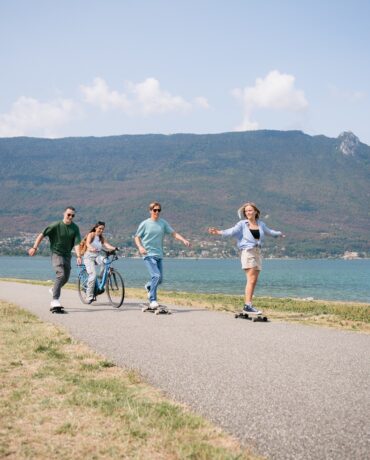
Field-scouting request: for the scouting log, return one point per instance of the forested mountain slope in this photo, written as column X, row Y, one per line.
column 315, row 189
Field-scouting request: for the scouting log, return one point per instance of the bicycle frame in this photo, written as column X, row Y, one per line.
column 107, row 261
column 109, row 281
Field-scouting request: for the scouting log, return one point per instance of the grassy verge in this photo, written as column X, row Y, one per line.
column 342, row 315
column 60, row 400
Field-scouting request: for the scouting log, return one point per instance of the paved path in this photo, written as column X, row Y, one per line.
column 290, row 391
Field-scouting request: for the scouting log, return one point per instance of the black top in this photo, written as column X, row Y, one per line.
column 255, row 233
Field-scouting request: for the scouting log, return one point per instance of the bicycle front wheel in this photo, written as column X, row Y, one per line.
column 115, row 289
column 82, row 285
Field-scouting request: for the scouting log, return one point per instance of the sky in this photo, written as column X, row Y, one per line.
column 113, row 67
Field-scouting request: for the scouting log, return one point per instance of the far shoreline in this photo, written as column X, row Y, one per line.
column 214, row 258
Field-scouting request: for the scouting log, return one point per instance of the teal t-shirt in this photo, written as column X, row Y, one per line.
column 62, row 237
column 152, row 232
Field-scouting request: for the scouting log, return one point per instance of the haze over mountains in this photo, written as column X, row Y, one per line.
column 316, row 189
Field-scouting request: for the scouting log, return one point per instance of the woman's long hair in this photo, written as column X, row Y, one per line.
column 241, row 212
column 93, row 230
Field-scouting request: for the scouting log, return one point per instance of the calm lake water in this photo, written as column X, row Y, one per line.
column 329, row 279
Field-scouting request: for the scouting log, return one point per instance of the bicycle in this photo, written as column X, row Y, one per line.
column 111, row 280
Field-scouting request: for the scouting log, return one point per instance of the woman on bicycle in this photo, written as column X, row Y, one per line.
column 95, row 242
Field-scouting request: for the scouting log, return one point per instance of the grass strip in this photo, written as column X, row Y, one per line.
column 343, row 315
column 60, row 400
column 354, row 316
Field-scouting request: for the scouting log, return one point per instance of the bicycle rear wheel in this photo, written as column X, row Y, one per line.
column 82, row 285
column 115, row 289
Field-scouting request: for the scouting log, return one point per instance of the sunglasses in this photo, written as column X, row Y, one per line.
column 156, row 210
column 70, row 215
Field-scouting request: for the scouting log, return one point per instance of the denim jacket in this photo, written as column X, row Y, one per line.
column 244, row 237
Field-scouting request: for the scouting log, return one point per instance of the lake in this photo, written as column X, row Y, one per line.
column 330, row 279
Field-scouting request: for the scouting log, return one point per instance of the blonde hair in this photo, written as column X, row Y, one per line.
column 241, row 210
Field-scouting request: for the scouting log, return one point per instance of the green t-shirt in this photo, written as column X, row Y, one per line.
column 151, row 233
column 62, row 237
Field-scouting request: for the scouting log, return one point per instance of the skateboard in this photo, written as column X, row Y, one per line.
column 59, row 310
column 161, row 310
column 252, row 316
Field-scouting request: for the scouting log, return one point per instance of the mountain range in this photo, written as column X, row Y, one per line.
column 314, row 188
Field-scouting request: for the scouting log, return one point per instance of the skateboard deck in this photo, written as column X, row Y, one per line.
column 252, row 316
column 161, row 310
column 59, row 310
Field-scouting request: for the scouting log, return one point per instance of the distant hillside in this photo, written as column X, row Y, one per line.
column 316, row 189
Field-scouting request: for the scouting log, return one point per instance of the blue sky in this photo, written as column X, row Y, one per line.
column 111, row 67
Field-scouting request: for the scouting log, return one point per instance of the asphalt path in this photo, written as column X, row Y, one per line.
column 288, row 391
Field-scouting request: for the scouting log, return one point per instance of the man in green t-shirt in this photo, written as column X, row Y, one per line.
column 149, row 241
column 63, row 236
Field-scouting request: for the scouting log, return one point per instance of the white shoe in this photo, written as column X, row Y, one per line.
column 248, row 308
column 55, row 303
column 51, row 292
column 154, row 304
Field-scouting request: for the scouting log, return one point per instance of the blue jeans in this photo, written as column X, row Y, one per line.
column 155, row 268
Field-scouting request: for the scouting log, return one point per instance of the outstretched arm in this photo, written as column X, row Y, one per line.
column 109, row 246
column 177, row 236
column 273, row 233
column 214, row 231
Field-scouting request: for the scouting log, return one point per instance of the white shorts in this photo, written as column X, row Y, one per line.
column 251, row 258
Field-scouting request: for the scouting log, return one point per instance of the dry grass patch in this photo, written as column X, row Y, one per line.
column 60, row 400
column 341, row 315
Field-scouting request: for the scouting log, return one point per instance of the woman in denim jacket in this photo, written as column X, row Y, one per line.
column 250, row 233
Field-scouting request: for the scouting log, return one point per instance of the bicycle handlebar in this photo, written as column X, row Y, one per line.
column 110, row 253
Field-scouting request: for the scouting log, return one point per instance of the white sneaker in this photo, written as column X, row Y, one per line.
column 248, row 308
column 154, row 304
column 55, row 303
column 51, row 292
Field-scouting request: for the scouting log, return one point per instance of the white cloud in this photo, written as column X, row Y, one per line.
column 98, row 94
column 152, row 99
column 28, row 116
column 146, row 97
column 274, row 92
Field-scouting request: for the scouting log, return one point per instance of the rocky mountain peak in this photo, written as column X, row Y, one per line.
column 348, row 143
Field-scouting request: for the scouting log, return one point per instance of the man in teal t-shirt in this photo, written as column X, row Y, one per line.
column 63, row 236
column 149, row 240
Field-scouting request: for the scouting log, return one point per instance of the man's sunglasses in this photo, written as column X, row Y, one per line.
column 156, row 210
column 70, row 215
